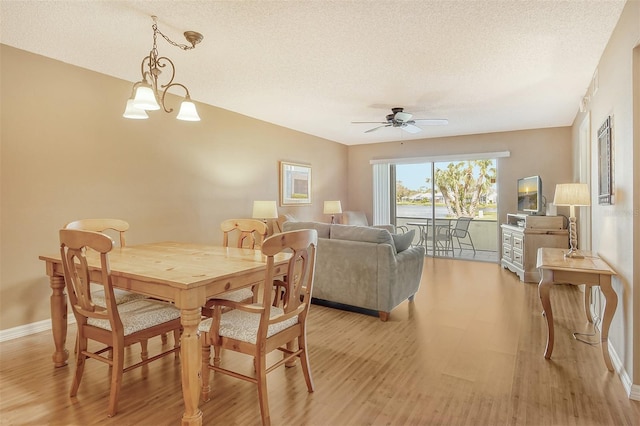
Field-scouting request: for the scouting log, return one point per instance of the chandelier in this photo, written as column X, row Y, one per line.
column 149, row 94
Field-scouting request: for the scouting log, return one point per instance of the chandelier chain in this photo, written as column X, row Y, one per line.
column 157, row 31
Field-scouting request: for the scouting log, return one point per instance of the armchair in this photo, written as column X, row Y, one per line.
column 358, row 218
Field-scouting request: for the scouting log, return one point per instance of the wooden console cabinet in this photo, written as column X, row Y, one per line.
column 522, row 235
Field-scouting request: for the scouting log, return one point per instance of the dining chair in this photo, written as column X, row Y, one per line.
column 249, row 233
column 114, row 326
column 119, row 227
column 260, row 328
column 105, row 225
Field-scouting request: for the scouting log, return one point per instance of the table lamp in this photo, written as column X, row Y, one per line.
column 265, row 210
column 333, row 208
column 572, row 195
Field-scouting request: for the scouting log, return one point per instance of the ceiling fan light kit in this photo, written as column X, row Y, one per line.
column 148, row 94
column 403, row 120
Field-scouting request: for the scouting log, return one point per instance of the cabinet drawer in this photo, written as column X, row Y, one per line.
column 517, row 242
column 506, row 238
column 517, row 258
column 506, row 253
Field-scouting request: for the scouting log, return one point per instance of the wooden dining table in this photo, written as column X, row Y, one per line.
column 183, row 273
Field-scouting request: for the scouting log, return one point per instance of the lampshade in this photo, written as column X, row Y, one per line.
column 188, row 111
column 132, row 112
column 145, row 98
column 572, row 194
column 332, row 207
column 265, row 210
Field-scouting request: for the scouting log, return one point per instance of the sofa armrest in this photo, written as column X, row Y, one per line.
column 404, row 279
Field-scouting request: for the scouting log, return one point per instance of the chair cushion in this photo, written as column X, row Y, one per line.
column 403, row 241
column 139, row 315
column 122, row 296
column 240, row 325
column 237, row 295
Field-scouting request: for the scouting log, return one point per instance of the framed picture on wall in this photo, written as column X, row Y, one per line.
column 605, row 184
column 295, row 184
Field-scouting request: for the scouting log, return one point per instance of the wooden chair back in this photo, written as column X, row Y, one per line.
column 101, row 225
column 73, row 247
column 248, row 231
column 297, row 284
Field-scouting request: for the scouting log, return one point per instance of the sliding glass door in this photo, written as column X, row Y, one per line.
column 452, row 206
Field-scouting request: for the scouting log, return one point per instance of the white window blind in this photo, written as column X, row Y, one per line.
column 381, row 194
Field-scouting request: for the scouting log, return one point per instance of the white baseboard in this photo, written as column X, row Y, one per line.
column 633, row 391
column 27, row 329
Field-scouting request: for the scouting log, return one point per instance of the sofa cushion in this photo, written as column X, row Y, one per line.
column 287, row 217
column 361, row 233
column 322, row 228
column 403, row 241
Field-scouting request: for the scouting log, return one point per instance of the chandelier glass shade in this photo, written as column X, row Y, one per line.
column 149, row 94
column 134, row 113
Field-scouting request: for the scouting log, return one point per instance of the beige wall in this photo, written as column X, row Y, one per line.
column 544, row 152
column 616, row 228
column 67, row 153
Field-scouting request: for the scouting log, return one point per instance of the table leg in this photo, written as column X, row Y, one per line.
column 191, row 360
column 610, row 305
column 59, row 320
column 587, row 302
column 544, row 287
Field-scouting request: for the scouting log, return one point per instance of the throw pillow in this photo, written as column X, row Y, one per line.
column 403, row 241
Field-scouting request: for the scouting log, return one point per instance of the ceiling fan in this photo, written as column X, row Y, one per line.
column 403, row 120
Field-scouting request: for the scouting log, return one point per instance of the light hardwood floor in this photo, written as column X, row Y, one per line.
column 468, row 351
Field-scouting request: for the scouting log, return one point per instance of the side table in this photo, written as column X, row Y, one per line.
column 591, row 271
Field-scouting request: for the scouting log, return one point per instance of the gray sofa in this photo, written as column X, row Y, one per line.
column 359, row 266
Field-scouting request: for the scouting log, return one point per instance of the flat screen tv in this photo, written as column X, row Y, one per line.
column 530, row 195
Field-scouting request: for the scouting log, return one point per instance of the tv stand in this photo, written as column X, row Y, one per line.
column 522, row 235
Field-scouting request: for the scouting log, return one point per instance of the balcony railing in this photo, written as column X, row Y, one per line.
column 484, row 232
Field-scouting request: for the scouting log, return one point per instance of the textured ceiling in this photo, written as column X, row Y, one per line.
column 316, row 66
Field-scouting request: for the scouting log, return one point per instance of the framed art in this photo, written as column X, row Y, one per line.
column 295, row 184
column 605, row 185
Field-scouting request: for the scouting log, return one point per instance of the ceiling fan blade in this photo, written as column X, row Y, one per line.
column 376, row 128
column 431, row 121
column 410, row 128
column 368, row 122
column 402, row 117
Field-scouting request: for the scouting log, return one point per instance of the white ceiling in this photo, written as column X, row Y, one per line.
column 316, row 66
